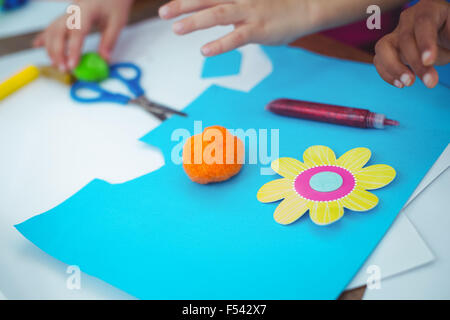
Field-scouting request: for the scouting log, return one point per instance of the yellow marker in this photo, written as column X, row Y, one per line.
column 18, row 80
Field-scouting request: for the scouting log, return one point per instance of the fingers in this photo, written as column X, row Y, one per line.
column 63, row 45
column 74, row 48
column 386, row 75
column 389, row 65
column 239, row 37
column 417, row 36
column 110, row 35
column 431, row 78
column 210, row 13
column 55, row 45
column 218, row 15
column 75, row 41
column 178, row 7
column 410, row 55
column 426, row 34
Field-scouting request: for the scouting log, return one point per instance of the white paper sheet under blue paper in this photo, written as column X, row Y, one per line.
column 162, row 236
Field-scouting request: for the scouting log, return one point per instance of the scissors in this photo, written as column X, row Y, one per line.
column 133, row 85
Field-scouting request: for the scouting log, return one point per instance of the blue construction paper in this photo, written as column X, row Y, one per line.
column 162, row 236
column 444, row 74
column 227, row 64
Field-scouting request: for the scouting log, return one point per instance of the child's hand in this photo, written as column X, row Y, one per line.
column 260, row 21
column 64, row 45
column 421, row 40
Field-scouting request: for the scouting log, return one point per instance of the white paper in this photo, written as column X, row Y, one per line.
column 34, row 16
column 431, row 214
column 436, row 170
column 401, row 249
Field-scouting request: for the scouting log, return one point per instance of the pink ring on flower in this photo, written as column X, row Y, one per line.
column 303, row 188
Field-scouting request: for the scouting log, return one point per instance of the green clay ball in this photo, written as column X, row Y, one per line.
column 92, row 68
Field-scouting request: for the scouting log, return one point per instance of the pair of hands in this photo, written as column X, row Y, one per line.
column 259, row 21
column 421, row 40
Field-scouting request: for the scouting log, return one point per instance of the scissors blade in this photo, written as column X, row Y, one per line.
column 162, row 109
column 156, row 112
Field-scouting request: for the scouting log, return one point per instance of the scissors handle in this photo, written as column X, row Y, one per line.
column 133, row 83
column 101, row 94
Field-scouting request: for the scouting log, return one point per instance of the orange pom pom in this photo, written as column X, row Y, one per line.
column 215, row 155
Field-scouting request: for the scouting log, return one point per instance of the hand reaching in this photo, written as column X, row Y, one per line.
column 255, row 21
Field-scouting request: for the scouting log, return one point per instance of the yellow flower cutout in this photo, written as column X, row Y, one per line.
column 324, row 185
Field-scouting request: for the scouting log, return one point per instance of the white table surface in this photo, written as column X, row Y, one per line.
column 34, row 16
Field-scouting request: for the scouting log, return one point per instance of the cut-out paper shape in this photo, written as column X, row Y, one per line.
column 324, row 185
column 225, row 64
